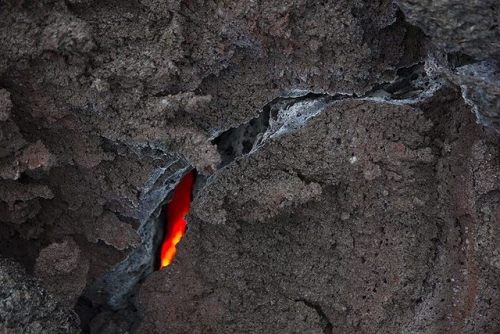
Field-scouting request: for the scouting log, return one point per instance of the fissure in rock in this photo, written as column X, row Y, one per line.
column 176, row 212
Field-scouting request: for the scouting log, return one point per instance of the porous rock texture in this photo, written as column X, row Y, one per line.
column 370, row 218
column 347, row 156
column 469, row 33
column 27, row 308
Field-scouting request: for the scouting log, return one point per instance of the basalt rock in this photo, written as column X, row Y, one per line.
column 469, row 27
column 468, row 34
column 63, row 270
column 26, row 307
column 389, row 241
column 343, row 183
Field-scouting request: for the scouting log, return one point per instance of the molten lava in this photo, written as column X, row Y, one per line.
column 177, row 209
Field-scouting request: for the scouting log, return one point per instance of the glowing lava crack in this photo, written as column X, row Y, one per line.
column 177, row 209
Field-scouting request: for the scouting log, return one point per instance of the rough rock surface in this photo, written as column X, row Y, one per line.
column 469, row 27
column 27, row 308
column 63, row 270
column 390, row 240
column 344, row 185
column 468, row 33
column 480, row 83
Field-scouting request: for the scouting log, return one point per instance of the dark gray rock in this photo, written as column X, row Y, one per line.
column 468, row 35
column 351, row 216
column 104, row 105
column 469, row 27
column 27, row 308
column 480, row 84
column 63, row 271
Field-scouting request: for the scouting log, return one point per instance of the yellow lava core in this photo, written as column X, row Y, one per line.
column 177, row 209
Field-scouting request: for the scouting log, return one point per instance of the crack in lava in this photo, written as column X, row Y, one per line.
column 177, row 209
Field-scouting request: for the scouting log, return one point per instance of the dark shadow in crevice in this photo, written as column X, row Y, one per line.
column 409, row 82
column 238, row 141
column 326, row 325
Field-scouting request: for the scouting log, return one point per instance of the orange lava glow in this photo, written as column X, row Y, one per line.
column 177, row 209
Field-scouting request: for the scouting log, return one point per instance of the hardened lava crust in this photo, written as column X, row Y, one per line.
column 346, row 153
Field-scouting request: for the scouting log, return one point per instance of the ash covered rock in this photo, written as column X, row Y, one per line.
column 469, row 27
column 480, row 83
column 26, row 307
column 468, row 34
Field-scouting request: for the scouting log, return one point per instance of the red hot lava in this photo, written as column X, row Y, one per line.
column 177, row 209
